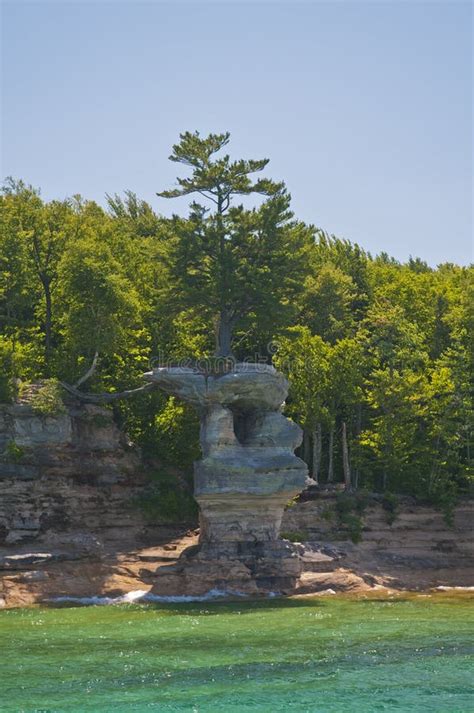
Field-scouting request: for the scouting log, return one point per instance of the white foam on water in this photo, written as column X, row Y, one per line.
column 444, row 588
column 211, row 594
column 134, row 596
column 141, row 595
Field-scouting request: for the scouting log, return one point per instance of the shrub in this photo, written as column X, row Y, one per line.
column 48, row 399
column 99, row 420
column 327, row 514
column 294, row 536
column 14, row 452
column 167, row 501
column 349, row 509
column 347, row 503
column 390, row 504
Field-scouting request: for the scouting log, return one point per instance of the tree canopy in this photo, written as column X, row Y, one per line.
column 379, row 353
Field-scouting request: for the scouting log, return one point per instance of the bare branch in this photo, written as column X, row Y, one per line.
column 107, row 398
column 89, row 372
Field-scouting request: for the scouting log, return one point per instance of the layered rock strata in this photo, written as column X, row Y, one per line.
column 247, row 475
column 414, row 548
column 64, row 473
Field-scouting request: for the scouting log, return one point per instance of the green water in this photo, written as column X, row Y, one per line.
column 328, row 655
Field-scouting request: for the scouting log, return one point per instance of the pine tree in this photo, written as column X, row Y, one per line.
column 233, row 263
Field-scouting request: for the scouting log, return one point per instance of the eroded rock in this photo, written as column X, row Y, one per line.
column 247, row 475
column 71, row 469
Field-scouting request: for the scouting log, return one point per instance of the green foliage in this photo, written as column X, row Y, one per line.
column 328, row 303
column 99, row 420
column 167, row 501
column 349, row 510
column 304, row 359
column 328, row 514
column 243, row 267
column 6, row 371
column 176, row 435
column 390, row 504
column 352, row 526
column 48, row 399
column 13, row 452
column 103, row 305
column 295, row 535
column 352, row 502
column 385, row 348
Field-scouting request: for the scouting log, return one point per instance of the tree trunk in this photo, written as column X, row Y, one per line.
column 224, row 335
column 331, row 455
column 306, row 447
column 388, row 456
column 358, row 432
column 468, row 445
column 225, row 321
column 47, row 322
column 345, row 458
column 317, row 436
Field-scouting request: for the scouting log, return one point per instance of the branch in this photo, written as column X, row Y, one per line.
column 89, row 372
column 202, row 193
column 107, row 398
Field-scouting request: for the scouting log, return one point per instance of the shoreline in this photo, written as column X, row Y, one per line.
column 382, row 594
column 129, row 574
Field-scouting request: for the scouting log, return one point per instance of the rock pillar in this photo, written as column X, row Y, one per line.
column 248, row 471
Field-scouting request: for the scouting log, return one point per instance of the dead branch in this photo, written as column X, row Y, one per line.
column 106, row 398
column 89, row 372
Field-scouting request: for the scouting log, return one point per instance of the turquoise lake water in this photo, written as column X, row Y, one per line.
column 410, row 654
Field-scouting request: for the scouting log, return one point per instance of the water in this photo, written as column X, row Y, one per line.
column 330, row 655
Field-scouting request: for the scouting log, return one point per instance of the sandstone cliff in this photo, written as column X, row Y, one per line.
column 413, row 547
column 70, row 471
column 69, row 525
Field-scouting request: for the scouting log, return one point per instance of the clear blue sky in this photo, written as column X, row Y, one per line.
column 364, row 108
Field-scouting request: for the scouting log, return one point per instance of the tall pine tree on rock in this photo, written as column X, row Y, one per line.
column 238, row 265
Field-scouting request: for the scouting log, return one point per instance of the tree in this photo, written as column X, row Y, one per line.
column 304, row 358
column 379, row 354
column 236, row 264
column 344, row 393
column 102, row 305
column 44, row 230
column 398, row 363
column 17, row 298
column 351, row 259
column 327, row 303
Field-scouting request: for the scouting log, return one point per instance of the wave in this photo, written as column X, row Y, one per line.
column 140, row 595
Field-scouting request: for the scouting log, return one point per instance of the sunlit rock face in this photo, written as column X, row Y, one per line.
column 64, row 472
column 249, row 471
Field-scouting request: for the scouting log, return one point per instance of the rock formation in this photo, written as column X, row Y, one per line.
column 69, row 526
column 63, row 472
column 248, row 472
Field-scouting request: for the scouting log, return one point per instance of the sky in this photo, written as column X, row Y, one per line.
column 363, row 108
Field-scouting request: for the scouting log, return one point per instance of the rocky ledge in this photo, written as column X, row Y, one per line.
column 391, row 558
column 63, row 472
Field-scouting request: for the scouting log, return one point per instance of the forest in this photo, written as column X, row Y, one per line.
column 378, row 353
